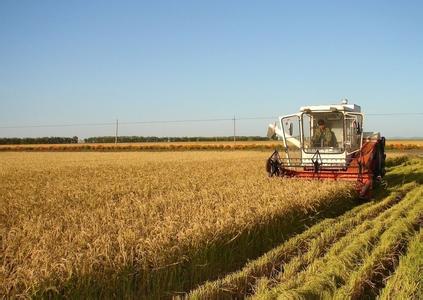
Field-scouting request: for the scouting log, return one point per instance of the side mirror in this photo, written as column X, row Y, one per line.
column 359, row 129
column 291, row 129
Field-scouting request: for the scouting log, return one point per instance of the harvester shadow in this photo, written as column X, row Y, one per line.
column 400, row 171
column 408, row 171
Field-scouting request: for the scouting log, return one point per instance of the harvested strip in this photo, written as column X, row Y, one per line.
column 320, row 246
column 326, row 232
column 407, row 281
column 384, row 257
column 325, row 275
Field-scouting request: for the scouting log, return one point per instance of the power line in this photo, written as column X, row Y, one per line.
column 176, row 121
column 133, row 123
column 257, row 118
column 180, row 121
column 58, row 125
column 393, row 114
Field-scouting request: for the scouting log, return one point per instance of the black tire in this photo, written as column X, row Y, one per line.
column 379, row 159
column 273, row 165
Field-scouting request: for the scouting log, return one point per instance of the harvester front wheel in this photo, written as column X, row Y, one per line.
column 379, row 160
column 273, row 165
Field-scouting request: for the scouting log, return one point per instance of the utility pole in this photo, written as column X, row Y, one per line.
column 117, row 131
column 234, row 129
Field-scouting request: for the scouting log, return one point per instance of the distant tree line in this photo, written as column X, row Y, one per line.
column 39, row 140
column 124, row 139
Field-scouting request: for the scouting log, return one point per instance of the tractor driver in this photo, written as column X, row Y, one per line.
column 323, row 136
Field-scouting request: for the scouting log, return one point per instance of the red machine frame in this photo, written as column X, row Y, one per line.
column 364, row 167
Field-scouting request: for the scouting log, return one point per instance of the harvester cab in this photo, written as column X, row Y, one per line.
column 328, row 142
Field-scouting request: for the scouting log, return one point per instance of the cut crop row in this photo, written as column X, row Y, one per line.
column 351, row 265
column 407, row 281
column 300, row 250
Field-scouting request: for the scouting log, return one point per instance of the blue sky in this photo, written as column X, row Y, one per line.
column 95, row 61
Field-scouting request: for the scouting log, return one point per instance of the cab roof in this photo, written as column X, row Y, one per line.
column 332, row 107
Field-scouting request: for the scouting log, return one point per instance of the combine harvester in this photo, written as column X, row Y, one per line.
column 328, row 142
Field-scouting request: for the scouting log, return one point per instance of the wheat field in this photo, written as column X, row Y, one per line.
column 133, row 224
column 372, row 251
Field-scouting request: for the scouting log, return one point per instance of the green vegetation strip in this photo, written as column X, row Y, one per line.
column 404, row 169
column 357, row 253
column 367, row 280
column 407, row 281
column 320, row 246
column 309, row 244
